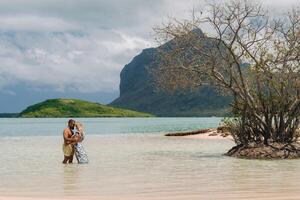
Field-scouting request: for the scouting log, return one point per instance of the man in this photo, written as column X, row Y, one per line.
column 69, row 141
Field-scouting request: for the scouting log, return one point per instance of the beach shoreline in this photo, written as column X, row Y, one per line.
column 212, row 133
column 209, row 136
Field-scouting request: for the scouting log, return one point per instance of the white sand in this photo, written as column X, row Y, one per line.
column 98, row 198
column 209, row 135
column 61, row 198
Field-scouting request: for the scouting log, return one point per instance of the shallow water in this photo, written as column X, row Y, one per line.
column 132, row 158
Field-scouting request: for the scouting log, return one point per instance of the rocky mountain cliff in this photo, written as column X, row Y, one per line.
column 139, row 92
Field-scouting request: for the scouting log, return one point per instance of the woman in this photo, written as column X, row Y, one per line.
column 80, row 153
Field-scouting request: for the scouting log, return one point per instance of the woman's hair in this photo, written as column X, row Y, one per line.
column 79, row 127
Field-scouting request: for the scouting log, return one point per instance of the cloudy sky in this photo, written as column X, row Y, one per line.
column 77, row 48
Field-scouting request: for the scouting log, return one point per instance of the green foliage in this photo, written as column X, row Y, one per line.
column 76, row 108
column 235, row 128
column 227, row 121
column 266, row 94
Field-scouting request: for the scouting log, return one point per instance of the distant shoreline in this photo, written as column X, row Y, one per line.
column 9, row 115
column 17, row 117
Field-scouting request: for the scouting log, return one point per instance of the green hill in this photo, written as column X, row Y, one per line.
column 76, row 108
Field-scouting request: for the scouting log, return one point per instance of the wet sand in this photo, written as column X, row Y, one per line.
column 277, row 196
column 62, row 198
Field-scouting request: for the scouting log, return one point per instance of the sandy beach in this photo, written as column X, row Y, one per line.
column 212, row 134
column 279, row 196
column 65, row 198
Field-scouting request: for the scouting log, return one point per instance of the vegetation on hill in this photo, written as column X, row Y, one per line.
column 76, row 108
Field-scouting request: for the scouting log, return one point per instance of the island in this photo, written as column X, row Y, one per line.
column 60, row 108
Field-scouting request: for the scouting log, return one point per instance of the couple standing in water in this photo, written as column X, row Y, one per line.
column 73, row 143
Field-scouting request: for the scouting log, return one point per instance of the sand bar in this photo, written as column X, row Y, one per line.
column 212, row 133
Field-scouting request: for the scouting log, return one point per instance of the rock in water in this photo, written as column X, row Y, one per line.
column 270, row 151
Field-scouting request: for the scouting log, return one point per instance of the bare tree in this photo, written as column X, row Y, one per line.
column 249, row 54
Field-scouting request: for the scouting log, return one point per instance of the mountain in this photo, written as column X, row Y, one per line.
column 139, row 92
column 76, row 108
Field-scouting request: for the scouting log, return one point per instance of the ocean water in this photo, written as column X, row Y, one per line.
column 131, row 158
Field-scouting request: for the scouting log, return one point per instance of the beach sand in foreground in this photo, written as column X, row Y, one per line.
column 190, row 197
column 63, row 198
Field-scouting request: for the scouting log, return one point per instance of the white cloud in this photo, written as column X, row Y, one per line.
column 80, row 44
column 34, row 23
column 66, row 61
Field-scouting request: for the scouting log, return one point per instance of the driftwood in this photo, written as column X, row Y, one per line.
column 201, row 131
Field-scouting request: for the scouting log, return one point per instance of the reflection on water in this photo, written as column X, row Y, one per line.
column 71, row 178
column 142, row 166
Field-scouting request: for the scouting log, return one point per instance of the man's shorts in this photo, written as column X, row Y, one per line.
column 68, row 150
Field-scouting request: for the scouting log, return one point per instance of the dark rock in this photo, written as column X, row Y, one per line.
column 223, row 129
column 138, row 90
column 261, row 151
column 225, row 134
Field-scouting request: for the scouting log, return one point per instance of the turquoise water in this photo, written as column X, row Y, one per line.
column 131, row 159
column 103, row 126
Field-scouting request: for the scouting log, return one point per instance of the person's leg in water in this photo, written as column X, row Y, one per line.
column 66, row 158
column 72, row 154
column 71, row 159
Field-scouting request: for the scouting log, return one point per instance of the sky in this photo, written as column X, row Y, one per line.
column 77, row 48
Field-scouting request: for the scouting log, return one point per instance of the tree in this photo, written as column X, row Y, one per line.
column 249, row 54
